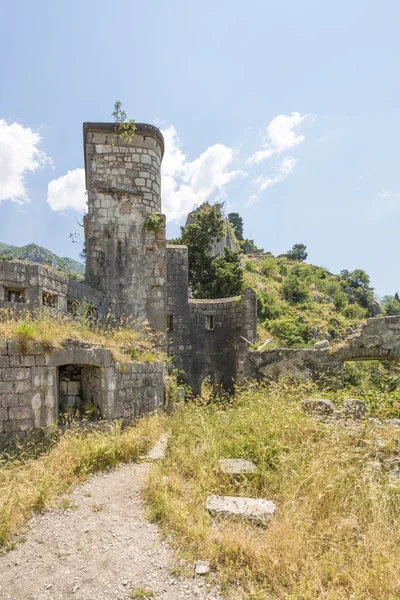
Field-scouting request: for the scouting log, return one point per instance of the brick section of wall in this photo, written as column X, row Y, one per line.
column 124, row 260
column 33, row 281
column 29, row 387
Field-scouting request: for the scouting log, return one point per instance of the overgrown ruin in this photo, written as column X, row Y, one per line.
column 132, row 273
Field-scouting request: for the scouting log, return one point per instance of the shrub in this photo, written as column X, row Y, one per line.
column 291, row 331
column 249, row 266
column 295, row 290
column 268, row 267
column 267, row 306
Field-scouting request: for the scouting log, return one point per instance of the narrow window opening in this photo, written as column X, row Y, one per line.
column 14, row 296
column 170, row 322
column 50, row 299
column 210, row 322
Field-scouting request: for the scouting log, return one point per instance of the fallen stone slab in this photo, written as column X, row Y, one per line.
column 251, row 509
column 201, row 567
column 318, row 405
column 158, row 451
column 235, row 466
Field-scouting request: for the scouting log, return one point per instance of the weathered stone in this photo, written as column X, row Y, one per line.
column 318, row 405
column 235, row 466
column 158, row 451
column 321, row 345
column 252, row 509
column 201, row 567
column 354, row 408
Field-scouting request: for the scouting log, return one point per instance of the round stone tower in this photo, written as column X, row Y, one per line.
column 125, row 248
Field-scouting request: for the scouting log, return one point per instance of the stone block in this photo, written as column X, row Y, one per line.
column 4, row 361
column 318, row 406
column 22, row 386
column 9, row 401
column 235, row 466
column 20, row 412
column 251, row 509
column 28, row 361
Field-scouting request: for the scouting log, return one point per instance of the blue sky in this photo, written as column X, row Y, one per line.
column 289, row 111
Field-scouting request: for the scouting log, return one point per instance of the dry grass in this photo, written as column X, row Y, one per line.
column 30, row 485
column 336, row 534
column 127, row 341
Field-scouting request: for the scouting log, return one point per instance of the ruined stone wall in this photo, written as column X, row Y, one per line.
column 377, row 339
column 272, row 365
column 35, row 286
column 30, row 390
column 124, row 260
column 206, row 335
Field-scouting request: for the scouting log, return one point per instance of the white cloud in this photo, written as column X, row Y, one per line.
column 19, row 154
column 251, row 200
column 281, row 169
column 185, row 184
column 68, row 192
column 280, row 136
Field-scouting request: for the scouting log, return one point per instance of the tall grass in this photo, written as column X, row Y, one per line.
column 28, row 485
column 127, row 340
column 336, row 534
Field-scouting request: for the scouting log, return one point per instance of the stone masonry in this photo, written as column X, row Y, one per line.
column 32, row 384
column 130, row 274
column 124, row 260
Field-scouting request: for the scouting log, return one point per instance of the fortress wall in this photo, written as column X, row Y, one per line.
column 35, row 384
column 34, row 286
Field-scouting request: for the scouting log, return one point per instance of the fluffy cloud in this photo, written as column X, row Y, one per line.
column 68, row 192
column 281, row 171
column 185, row 184
column 19, row 155
column 280, row 136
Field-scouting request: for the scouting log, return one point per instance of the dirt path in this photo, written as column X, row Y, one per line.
column 100, row 548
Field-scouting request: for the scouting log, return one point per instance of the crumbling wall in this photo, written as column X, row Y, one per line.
column 377, row 339
column 25, row 284
column 272, row 365
column 205, row 337
column 30, row 388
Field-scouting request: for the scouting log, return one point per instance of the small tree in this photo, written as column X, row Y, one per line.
column 210, row 277
column 298, row 252
column 125, row 129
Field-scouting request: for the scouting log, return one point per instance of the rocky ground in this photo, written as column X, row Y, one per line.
column 98, row 545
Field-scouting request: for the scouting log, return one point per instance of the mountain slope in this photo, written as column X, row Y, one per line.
column 299, row 303
column 37, row 254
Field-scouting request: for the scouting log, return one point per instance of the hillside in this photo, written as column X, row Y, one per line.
column 299, row 303
column 37, row 254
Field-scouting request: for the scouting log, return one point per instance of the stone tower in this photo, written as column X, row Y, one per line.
column 126, row 258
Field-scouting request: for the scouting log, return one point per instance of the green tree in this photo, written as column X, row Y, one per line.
column 237, row 223
column 391, row 306
column 298, row 252
column 210, row 277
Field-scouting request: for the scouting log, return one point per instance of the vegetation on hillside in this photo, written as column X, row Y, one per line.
column 126, row 340
column 37, row 254
column 336, row 533
column 299, row 303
